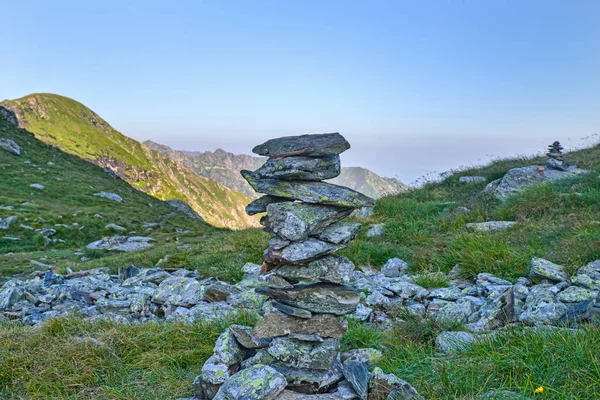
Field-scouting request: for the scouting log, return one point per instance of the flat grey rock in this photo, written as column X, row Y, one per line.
column 307, row 355
column 325, row 325
column 544, row 269
column 260, row 205
column 340, row 232
column 300, row 252
column 303, row 145
column 318, row 297
column 331, row 268
column 301, row 168
column 179, row 291
column 357, row 374
column 309, row 192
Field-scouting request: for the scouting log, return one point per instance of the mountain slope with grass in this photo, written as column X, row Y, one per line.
column 75, row 129
column 426, row 227
column 225, row 167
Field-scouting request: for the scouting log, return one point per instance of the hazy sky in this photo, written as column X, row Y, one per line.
column 415, row 86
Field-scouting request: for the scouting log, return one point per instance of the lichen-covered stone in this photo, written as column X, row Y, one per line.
column 388, row 386
column 301, row 354
column 303, row 145
column 296, row 221
column 457, row 312
column 244, row 336
column 258, row 382
column 215, row 372
column 542, row 308
column 497, row 311
column 227, row 349
column 574, row 294
column 544, row 269
column 309, row 192
column 331, row 268
column 318, row 297
column 325, row 325
column 368, row 356
column 179, row 291
column 301, row 168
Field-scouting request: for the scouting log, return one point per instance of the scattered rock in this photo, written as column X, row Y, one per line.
column 489, row 225
column 121, row 243
column 110, row 196
column 10, row 146
column 5, row 223
column 37, row 186
column 375, row 230
column 394, row 267
column 115, row 227
column 472, row 179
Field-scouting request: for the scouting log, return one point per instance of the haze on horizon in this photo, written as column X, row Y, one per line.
column 416, row 87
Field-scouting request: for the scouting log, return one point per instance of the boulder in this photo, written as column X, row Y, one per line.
column 304, row 145
column 518, row 179
column 309, row 192
column 227, row 349
column 301, row 168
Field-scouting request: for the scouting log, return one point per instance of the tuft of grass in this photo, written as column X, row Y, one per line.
column 432, row 280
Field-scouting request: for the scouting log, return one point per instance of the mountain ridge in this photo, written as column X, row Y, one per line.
column 225, row 167
column 76, row 129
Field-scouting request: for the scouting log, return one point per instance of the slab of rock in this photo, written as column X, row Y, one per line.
column 518, row 179
column 331, row 268
column 358, row 375
column 340, row 232
column 303, row 145
column 260, row 205
column 311, row 381
column 11, row 146
column 591, row 269
column 301, row 168
column 291, row 311
column 325, row 325
column 489, row 225
column 244, row 336
column 307, row 355
column 122, row 243
column 110, row 196
column 544, row 269
column 574, row 294
column 259, row 382
column 296, row 221
column 179, row 291
column 309, row 192
column 325, row 298
column 37, row 186
column 300, row 252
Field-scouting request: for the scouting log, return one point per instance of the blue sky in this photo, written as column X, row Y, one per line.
column 415, row 86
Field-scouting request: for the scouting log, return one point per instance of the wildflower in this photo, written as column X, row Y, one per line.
column 539, row 390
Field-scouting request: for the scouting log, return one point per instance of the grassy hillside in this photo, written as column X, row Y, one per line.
column 68, row 205
column 559, row 222
column 77, row 130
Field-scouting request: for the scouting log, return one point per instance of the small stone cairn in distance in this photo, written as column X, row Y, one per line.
column 293, row 353
column 556, row 157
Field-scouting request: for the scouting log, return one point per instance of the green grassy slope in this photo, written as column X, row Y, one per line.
column 68, row 199
column 77, row 130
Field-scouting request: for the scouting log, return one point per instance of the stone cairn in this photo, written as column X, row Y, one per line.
column 556, row 157
column 294, row 351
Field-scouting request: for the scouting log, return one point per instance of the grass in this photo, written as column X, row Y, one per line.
column 107, row 360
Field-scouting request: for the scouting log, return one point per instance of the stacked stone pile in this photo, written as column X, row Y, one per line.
column 294, row 351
